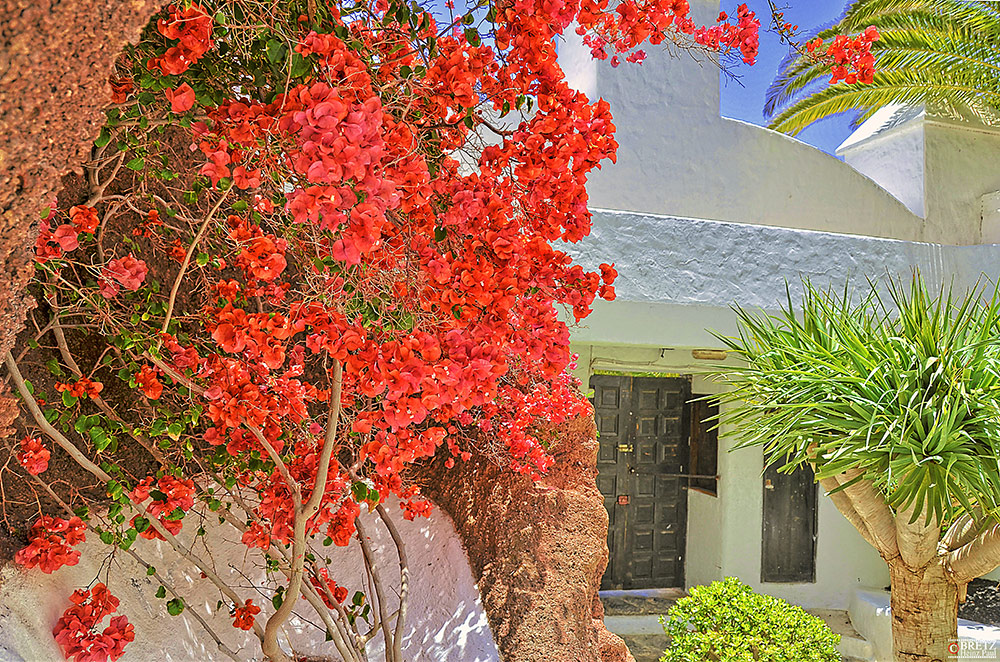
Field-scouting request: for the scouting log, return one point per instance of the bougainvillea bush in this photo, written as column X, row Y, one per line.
column 316, row 244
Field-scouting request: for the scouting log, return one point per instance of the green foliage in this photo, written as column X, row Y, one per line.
column 944, row 53
column 728, row 622
column 908, row 394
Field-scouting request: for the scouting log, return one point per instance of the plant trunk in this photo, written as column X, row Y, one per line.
column 924, row 612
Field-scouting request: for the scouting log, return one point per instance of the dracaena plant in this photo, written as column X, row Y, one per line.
column 895, row 403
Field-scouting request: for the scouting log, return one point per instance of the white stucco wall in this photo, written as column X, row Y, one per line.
column 446, row 621
column 963, row 164
column 677, row 156
column 895, row 159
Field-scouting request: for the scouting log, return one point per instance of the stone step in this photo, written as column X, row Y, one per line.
column 856, row 649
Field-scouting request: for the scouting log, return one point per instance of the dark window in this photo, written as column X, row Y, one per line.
column 704, row 446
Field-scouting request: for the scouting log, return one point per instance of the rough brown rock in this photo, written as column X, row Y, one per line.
column 538, row 550
column 55, row 59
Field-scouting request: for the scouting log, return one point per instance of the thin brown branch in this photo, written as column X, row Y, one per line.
column 187, row 259
column 404, row 582
column 390, row 649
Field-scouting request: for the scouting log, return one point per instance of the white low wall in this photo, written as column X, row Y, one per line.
column 872, row 618
column 445, row 621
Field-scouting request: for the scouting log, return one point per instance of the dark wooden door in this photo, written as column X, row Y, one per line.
column 642, row 462
column 788, row 551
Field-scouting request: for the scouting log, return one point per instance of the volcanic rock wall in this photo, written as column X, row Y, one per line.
column 538, row 550
column 55, row 59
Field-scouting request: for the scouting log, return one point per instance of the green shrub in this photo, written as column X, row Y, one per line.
column 727, row 622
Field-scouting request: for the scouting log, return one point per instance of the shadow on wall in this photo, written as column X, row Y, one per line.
column 445, row 623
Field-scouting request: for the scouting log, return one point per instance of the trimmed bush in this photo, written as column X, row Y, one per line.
column 727, row 622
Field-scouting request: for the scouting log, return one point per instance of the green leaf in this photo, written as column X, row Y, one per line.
column 103, row 139
column 68, row 399
column 275, row 51
column 176, row 514
column 150, row 571
column 175, row 607
column 276, row 600
column 300, row 66
column 175, row 429
column 137, row 164
column 360, row 491
column 141, row 524
column 100, row 437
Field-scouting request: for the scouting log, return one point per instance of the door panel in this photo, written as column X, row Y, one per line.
column 640, row 457
column 788, row 551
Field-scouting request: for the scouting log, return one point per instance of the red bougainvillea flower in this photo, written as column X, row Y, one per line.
column 243, row 617
column 83, row 387
column 148, row 381
column 50, row 544
column 173, row 497
column 181, row 99
column 120, row 89
column 128, row 271
column 84, row 218
column 33, row 455
column 78, row 630
column 66, row 236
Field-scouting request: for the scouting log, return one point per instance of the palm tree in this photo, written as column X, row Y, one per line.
column 944, row 54
column 897, row 409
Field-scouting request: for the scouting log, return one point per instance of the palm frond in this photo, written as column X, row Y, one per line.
column 932, row 52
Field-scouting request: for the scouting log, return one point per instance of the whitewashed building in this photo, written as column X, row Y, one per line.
column 702, row 212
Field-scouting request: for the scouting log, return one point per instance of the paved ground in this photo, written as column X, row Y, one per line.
column 634, row 616
column 646, row 648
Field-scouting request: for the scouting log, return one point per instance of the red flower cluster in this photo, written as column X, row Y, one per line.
column 85, row 219
column 51, row 244
column 77, row 629
column 121, row 88
column 126, row 271
column 148, row 381
column 33, row 455
column 51, row 544
column 83, row 387
column 243, row 617
column 169, row 496
column 192, row 27
column 182, row 99
column 851, row 59
column 636, row 21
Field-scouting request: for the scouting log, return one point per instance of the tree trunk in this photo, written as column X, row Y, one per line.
column 924, row 612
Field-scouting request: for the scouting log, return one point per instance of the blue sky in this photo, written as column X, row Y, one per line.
column 744, row 99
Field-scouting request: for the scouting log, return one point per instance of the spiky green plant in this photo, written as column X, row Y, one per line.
column 896, row 405
column 941, row 53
